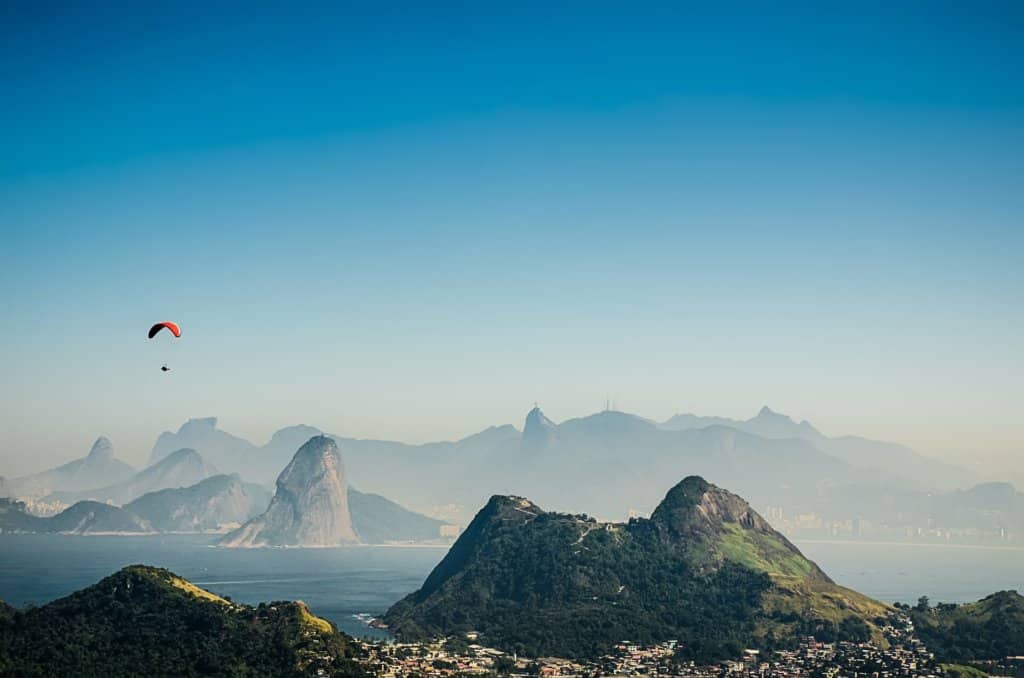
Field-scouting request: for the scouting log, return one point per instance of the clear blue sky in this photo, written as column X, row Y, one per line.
column 412, row 223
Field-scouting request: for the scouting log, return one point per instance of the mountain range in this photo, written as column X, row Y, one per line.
column 705, row 569
column 610, row 464
column 181, row 468
column 99, row 467
column 899, row 460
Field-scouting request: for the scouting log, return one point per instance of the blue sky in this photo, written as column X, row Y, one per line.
column 414, row 223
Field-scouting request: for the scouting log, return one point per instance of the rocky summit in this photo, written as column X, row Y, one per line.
column 310, row 506
column 705, row 570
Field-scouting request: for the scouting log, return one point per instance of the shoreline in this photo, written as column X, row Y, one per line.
column 851, row 542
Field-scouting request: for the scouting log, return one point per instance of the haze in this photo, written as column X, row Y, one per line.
column 420, row 242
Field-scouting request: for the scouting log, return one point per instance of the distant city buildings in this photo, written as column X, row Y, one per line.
column 814, row 526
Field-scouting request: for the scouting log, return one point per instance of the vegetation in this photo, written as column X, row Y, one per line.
column 961, row 671
column 990, row 629
column 704, row 570
column 144, row 621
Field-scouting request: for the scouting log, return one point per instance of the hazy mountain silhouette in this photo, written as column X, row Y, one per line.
column 898, row 460
column 179, row 469
column 99, row 467
column 202, row 435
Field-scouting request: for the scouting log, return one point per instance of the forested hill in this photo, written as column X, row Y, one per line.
column 990, row 629
column 705, row 569
column 145, row 621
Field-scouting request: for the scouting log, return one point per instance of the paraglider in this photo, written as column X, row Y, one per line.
column 170, row 327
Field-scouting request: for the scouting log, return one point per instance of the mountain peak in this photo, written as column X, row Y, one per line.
column 310, row 507
column 182, row 455
column 101, row 449
column 198, row 424
column 519, row 572
column 768, row 413
column 696, row 504
column 537, row 429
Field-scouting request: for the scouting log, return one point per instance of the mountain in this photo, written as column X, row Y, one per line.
column 992, row 628
column 220, row 448
column 612, row 464
column 93, row 517
column 99, row 467
column 538, row 431
column 377, row 520
column 216, row 501
column 899, row 460
column 148, row 621
column 263, row 464
column 705, row 569
column 607, row 464
column 84, row 517
column 179, row 469
column 310, row 507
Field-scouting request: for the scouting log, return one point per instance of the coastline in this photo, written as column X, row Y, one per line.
column 851, row 542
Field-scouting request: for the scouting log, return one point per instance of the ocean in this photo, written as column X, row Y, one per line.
column 351, row 585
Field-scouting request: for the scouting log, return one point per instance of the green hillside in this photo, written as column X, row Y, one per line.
column 992, row 628
column 705, row 570
column 144, row 621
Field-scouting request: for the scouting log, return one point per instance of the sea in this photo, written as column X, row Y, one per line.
column 352, row 585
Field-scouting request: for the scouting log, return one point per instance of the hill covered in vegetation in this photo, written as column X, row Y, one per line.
column 148, row 621
column 990, row 629
column 705, row 569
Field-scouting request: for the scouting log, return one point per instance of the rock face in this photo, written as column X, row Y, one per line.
column 310, row 507
column 263, row 464
column 97, row 468
column 208, row 505
column 705, row 569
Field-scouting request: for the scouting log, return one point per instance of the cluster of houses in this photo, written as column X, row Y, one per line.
column 905, row 656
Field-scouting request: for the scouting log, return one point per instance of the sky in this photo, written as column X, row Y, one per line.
column 412, row 222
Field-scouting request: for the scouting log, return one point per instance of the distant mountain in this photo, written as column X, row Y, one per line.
column 705, row 569
column 179, row 469
column 539, row 432
column 613, row 463
column 898, row 460
column 147, row 621
column 263, row 464
column 99, row 467
column 988, row 505
column 218, row 447
column 608, row 464
column 84, row 517
column 214, row 502
column 310, row 507
column 992, row 628
column 377, row 520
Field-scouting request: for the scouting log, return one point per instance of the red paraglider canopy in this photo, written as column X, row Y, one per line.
column 173, row 327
